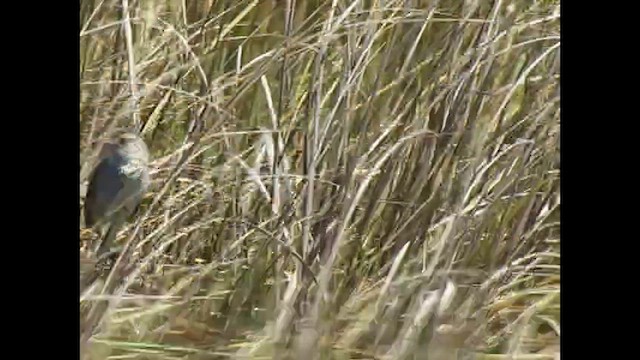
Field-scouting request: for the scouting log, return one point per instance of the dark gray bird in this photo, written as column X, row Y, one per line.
column 116, row 185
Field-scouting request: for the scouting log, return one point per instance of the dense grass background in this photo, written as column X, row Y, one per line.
column 332, row 179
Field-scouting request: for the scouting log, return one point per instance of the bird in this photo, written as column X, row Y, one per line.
column 116, row 186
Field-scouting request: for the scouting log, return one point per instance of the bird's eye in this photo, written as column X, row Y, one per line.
column 122, row 140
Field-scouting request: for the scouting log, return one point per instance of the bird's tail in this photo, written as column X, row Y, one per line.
column 109, row 238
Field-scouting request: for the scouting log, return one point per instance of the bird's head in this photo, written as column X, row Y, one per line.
column 131, row 146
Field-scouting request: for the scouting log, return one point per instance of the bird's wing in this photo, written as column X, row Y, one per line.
column 105, row 185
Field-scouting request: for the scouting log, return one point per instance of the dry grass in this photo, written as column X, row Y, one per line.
column 332, row 179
